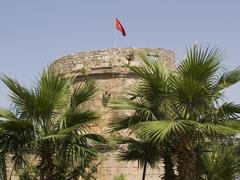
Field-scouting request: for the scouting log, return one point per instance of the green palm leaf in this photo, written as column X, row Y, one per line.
column 158, row 131
column 50, row 120
column 95, row 137
column 6, row 114
column 218, row 130
column 229, row 111
column 152, row 83
column 141, row 151
column 80, row 117
column 83, row 92
column 201, row 63
column 22, row 97
column 228, row 79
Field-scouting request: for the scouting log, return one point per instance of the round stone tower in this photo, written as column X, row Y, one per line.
column 108, row 68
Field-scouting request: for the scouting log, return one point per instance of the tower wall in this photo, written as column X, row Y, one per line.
column 108, row 68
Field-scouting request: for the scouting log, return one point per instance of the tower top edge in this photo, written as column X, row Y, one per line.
column 115, row 50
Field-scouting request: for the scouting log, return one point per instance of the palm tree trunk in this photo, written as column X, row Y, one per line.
column 186, row 160
column 46, row 165
column 46, row 169
column 168, row 168
column 3, row 166
column 144, row 171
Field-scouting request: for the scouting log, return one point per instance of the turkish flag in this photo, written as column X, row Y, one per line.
column 120, row 27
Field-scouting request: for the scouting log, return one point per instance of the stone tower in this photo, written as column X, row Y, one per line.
column 108, row 68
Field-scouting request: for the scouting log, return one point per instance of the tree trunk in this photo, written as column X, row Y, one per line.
column 46, row 165
column 3, row 166
column 168, row 168
column 186, row 160
column 144, row 170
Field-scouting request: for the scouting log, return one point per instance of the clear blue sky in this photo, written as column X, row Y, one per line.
column 34, row 33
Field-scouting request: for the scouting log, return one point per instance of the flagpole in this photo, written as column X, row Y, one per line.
column 115, row 36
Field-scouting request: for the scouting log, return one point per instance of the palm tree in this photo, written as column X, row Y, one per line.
column 196, row 107
column 15, row 138
column 220, row 162
column 48, row 118
column 148, row 101
column 144, row 152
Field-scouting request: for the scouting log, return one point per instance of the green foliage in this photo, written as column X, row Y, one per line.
column 120, row 177
column 221, row 163
column 193, row 95
column 3, row 171
column 147, row 102
column 86, row 170
column 141, row 151
column 47, row 118
column 180, row 108
column 29, row 172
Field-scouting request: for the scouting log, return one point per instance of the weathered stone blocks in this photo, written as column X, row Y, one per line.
column 108, row 68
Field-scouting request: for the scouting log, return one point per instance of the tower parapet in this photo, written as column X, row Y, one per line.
column 113, row 61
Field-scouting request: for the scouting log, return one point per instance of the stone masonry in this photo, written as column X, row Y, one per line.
column 108, row 68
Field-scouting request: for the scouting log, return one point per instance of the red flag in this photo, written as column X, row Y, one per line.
column 120, row 27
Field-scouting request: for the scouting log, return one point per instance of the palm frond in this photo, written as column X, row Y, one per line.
column 80, row 117
column 72, row 151
column 22, row 97
column 54, row 83
column 83, row 92
column 229, row 110
column 201, row 63
column 158, row 131
column 141, row 151
column 152, row 75
column 124, row 122
column 53, row 138
column 16, row 137
column 189, row 94
column 218, row 130
column 220, row 163
column 52, row 93
column 228, row 79
column 6, row 114
column 15, row 125
column 127, row 104
column 95, row 137
column 76, row 147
